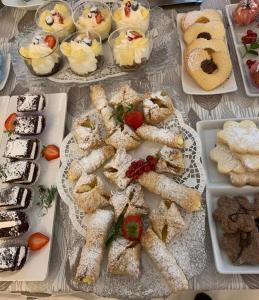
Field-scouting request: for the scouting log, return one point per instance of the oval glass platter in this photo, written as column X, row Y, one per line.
column 188, row 248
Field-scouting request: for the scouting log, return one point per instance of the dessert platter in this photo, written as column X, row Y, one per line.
column 243, row 20
column 230, row 155
column 206, row 62
column 132, row 178
column 84, row 42
column 29, row 166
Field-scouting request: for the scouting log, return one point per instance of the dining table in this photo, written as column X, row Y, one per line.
column 193, row 107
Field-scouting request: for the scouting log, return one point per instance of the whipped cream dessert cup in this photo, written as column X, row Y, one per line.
column 93, row 16
column 41, row 53
column 131, row 47
column 55, row 17
column 131, row 13
column 83, row 51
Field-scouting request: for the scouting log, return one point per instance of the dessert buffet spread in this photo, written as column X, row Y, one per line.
column 29, row 165
column 127, row 161
column 130, row 169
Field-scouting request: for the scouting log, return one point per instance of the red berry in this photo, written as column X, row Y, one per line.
column 250, row 62
column 99, row 17
column 50, row 40
column 134, row 119
column 50, row 152
column 10, row 122
column 132, row 227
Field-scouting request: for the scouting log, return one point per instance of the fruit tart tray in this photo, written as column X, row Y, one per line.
column 237, row 33
column 39, row 209
column 161, row 56
column 188, row 247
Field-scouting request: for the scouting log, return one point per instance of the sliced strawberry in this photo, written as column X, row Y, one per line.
column 127, row 9
column 37, row 241
column 250, row 62
column 50, row 40
column 10, row 122
column 99, row 17
column 134, row 119
column 50, row 152
column 132, row 227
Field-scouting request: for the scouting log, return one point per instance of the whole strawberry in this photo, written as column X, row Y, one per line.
column 134, row 119
column 132, row 227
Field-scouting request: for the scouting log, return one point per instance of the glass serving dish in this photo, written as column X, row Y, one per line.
column 83, row 51
column 131, row 48
column 129, row 13
column 41, row 54
column 93, row 15
column 55, row 17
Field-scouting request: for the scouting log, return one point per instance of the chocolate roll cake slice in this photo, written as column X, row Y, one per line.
column 31, row 103
column 23, row 172
column 22, row 149
column 13, row 224
column 14, row 198
column 29, row 125
column 12, row 258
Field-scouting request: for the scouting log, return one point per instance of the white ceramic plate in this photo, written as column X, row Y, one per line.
column 6, row 70
column 30, row 5
column 207, row 131
column 36, row 267
column 218, row 185
column 222, row 262
column 189, row 85
column 237, row 33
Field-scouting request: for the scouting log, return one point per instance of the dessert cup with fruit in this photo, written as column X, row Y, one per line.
column 83, row 51
column 93, row 16
column 131, row 47
column 41, row 53
column 55, row 17
column 131, row 13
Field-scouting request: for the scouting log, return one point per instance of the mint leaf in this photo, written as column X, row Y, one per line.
column 254, row 46
column 253, row 52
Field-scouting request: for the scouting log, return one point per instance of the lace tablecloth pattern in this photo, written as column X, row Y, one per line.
column 194, row 108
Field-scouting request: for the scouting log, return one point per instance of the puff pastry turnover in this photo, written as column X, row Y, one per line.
column 98, row 97
column 157, row 107
column 115, row 170
column 89, row 193
column 170, row 160
column 86, row 131
column 133, row 198
column 123, row 137
column 124, row 258
column 98, row 226
column 125, row 96
column 166, row 221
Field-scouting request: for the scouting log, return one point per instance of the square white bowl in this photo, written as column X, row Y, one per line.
column 222, row 262
column 207, row 131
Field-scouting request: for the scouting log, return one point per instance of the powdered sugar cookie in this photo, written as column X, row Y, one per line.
column 241, row 137
column 225, row 160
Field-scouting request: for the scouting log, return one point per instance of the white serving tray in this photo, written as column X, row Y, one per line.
column 30, row 5
column 217, row 185
column 37, row 265
column 222, row 262
column 6, row 70
column 189, row 85
column 237, row 32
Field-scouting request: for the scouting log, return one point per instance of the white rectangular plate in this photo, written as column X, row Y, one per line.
column 222, row 262
column 237, row 33
column 6, row 70
column 189, row 85
column 207, row 131
column 36, row 267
